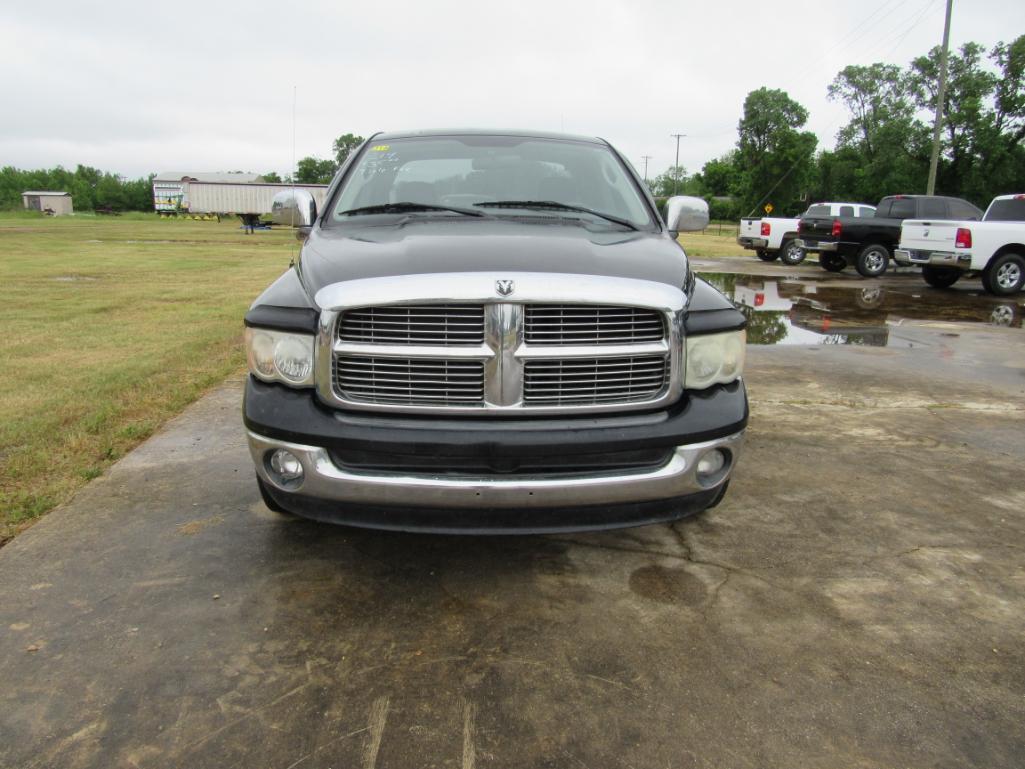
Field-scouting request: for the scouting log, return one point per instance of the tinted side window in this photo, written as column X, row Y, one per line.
column 902, row 208
column 866, row 211
column 817, row 211
column 963, row 210
column 884, row 209
column 1009, row 210
column 933, row 208
column 846, row 210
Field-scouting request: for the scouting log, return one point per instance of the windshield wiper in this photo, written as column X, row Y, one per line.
column 405, row 207
column 553, row 205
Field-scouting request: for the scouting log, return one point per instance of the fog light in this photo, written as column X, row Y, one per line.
column 711, row 463
column 286, row 466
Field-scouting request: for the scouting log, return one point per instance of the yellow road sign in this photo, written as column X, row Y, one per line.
column 768, row 208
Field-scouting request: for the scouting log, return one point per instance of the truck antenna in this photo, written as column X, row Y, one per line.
column 295, row 90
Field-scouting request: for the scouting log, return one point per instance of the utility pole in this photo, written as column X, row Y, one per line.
column 646, row 158
column 676, row 168
column 934, row 160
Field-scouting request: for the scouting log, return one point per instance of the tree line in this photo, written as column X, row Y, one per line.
column 884, row 147
column 90, row 188
column 93, row 189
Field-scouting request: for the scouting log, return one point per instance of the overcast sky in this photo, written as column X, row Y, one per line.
column 142, row 87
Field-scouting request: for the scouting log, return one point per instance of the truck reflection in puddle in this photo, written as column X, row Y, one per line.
column 809, row 312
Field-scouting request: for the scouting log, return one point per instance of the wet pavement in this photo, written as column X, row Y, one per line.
column 857, row 600
column 815, row 307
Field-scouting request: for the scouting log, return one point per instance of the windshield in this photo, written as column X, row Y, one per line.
column 471, row 172
column 1007, row 210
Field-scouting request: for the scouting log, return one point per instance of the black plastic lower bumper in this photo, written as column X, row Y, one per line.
column 297, row 416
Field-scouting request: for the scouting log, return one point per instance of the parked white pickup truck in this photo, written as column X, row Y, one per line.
column 776, row 237
column 994, row 247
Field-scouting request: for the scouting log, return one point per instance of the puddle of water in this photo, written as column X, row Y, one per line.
column 791, row 311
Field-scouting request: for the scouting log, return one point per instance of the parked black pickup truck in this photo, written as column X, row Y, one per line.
column 493, row 332
column 868, row 243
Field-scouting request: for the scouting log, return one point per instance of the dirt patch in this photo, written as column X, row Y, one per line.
column 667, row 585
column 192, row 528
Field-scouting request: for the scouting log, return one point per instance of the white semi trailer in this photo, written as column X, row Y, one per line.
column 245, row 199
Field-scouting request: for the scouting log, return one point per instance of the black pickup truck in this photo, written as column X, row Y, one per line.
column 493, row 332
column 868, row 243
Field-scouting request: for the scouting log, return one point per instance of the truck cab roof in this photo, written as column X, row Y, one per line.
column 439, row 132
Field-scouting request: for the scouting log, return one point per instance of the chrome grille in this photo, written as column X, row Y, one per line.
column 583, row 381
column 409, row 381
column 439, row 324
column 452, row 343
column 591, row 324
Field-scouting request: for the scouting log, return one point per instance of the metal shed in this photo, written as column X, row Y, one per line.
column 59, row 203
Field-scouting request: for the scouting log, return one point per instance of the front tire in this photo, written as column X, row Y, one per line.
column 832, row 262
column 1005, row 274
column 873, row 260
column 941, row 277
column 766, row 256
column 791, row 253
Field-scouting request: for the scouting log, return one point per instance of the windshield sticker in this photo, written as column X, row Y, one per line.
column 380, row 148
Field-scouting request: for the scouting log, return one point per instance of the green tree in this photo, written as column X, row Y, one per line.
column 271, row 177
column 983, row 123
column 344, row 145
column 966, row 115
column 673, row 182
column 883, row 149
column 720, row 177
column 311, row 170
column 774, row 155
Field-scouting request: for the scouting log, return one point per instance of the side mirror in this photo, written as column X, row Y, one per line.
column 686, row 214
column 295, row 208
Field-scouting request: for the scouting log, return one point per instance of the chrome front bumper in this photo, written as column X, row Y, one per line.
column 324, row 480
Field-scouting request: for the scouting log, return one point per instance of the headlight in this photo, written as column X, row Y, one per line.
column 714, row 359
column 279, row 356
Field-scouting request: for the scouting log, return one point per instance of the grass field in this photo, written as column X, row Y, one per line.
column 720, row 239
column 111, row 325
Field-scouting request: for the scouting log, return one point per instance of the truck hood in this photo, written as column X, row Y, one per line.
column 422, row 246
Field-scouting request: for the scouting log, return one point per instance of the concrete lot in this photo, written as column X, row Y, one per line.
column 858, row 600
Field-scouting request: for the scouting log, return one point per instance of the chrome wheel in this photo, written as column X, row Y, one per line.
column 1009, row 276
column 873, row 260
column 792, row 253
